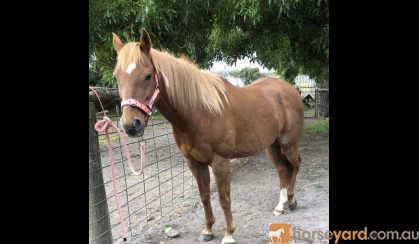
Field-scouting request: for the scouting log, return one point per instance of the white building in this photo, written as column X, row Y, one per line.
column 306, row 85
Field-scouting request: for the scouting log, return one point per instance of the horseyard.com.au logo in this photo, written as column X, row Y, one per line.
column 279, row 233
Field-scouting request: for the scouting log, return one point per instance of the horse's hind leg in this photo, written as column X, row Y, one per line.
column 283, row 168
column 202, row 177
column 294, row 159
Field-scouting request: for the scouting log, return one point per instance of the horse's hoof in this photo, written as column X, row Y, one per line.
column 205, row 237
column 277, row 212
column 293, row 205
column 228, row 239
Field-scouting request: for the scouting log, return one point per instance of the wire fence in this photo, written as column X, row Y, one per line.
column 144, row 199
column 311, row 98
column 308, row 96
column 166, row 184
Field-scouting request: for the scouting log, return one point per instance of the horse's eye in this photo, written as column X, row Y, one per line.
column 147, row 77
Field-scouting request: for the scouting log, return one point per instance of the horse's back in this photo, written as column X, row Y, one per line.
column 281, row 90
column 257, row 115
column 288, row 100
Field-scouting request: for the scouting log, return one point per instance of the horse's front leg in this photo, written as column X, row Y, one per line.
column 222, row 172
column 201, row 173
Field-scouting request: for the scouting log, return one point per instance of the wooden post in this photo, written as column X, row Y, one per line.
column 323, row 109
column 99, row 223
column 118, row 110
column 316, row 100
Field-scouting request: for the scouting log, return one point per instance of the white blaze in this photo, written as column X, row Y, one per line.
column 130, row 68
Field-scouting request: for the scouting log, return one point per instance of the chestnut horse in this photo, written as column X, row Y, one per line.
column 213, row 121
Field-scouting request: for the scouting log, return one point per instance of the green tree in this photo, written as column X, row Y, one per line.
column 247, row 74
column 289, row 36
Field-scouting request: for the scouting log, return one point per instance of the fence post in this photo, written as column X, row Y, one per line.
column 118, row 111
column 316, row 100
column 323, row 108
column 99, row 222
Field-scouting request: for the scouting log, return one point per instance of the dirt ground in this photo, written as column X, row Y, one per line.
column 255, row 193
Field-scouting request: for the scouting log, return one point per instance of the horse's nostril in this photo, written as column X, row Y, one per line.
column 137, row 124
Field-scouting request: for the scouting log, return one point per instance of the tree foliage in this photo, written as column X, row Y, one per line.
column 290, row 36
column 247, row 74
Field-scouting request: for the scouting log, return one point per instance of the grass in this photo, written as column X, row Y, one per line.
column 317, row 127
column 113, row 137
column 157, row 116
column 308, row 112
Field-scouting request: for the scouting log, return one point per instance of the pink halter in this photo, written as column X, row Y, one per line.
column 147, row 107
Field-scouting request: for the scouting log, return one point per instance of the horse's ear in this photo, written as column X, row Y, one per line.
column 116, row 42
column 145, row 41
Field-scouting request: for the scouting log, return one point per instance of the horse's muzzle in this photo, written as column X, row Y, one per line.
column 134, row 129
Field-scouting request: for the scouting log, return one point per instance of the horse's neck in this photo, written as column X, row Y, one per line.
column 175, row 117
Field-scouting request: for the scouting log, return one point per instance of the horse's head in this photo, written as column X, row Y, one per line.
column 137, row 82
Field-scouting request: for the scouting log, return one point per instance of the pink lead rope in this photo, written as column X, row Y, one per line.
column 103, row 126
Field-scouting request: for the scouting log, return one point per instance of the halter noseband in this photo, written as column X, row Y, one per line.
column 147, row 107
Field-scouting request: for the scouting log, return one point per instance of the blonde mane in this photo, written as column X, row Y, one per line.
column 189, row 87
